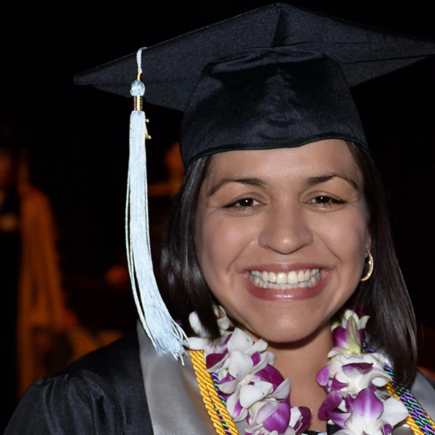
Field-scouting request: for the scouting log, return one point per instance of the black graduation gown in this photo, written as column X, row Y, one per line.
column 102, row 393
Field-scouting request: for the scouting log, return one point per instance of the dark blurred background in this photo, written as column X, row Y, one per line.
column 77, row 140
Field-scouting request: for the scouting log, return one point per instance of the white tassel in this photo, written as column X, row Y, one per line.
column 164, row 333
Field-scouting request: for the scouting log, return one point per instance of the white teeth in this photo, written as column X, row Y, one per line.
column 281, row 278
column 306, row 278
column 292, row 278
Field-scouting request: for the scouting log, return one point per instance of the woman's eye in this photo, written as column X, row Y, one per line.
column 326, row 200
column 243, row 203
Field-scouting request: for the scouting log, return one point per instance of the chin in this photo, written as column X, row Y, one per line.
column 283, row 331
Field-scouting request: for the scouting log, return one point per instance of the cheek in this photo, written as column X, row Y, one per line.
column 220, row 244
column 346, row 238
column 347, row 229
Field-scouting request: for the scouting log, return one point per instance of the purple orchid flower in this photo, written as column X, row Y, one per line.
column 323, row 376
column 303, row 421
column 272, row 375
column 328, row 410
column 348, row 340
column 336, row 385
column 212, row 360
column 329, row 405
column 279, row 419
column 363, row 368
column 369, row 415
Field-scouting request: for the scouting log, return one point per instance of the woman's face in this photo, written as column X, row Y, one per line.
column 282, row 236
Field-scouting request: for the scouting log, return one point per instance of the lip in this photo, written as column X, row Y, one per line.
column 296, row 294
column 285, row 267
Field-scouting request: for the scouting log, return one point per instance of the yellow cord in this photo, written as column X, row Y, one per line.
column 209, row 395
column 409, row 420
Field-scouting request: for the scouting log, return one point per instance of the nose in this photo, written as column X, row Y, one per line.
column 286, row 229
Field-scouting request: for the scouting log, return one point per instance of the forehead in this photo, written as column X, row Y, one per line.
column 314, row 159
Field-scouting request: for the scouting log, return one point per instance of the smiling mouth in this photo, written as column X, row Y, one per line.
column 304, row 278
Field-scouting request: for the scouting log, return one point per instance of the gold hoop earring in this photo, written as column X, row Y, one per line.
column 371, row 264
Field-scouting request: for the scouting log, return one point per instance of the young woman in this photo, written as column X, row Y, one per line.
column 278, row 255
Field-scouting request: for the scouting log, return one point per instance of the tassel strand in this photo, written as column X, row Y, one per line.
column 163, row 332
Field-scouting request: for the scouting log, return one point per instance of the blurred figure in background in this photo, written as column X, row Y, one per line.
column 9, row 271
column 31, row 300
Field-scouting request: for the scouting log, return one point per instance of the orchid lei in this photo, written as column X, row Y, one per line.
column 257, row 393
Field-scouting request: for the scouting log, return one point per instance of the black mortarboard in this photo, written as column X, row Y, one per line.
column 275, row 77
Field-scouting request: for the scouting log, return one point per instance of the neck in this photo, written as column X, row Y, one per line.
column 312, row 351
column 301, row 361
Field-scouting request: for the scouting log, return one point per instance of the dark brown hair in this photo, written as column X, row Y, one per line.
column 383, row 297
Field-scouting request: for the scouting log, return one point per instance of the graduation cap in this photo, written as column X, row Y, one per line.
column 275, row 77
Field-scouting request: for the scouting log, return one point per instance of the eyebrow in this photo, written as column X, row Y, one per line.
column 257, row 182
column 250, row 181
column 326, row 177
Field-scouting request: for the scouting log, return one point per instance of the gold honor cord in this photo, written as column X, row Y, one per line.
column 410, row 420
column 212, row 401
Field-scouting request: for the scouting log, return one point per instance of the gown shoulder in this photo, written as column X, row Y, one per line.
column 101, row 393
